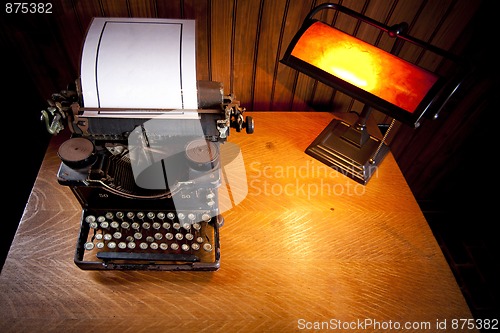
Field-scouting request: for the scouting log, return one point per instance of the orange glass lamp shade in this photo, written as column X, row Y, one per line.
column 363, row 71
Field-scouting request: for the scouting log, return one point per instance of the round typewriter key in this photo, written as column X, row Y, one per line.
column 131, row 245
column 207, row 247
column 129, row 239
column 89, row 246
column 109, row 215
column 181, row 216
column 101, row 218
column 146, row 225
column 150, row 239
column 199, row 239
column 125, row 225
column 163, row 246
column 111, row 245
column 99, row 245
column 140, row 215
column 105, row 225
column 156, row 225
column 114, row 224
column 166, row 225
column 154, row 246
column 185, row 247
column 93, row 225
column 90, row 219
column 195, row 246
column 189, row 237
column 169, row 236
column 119, row 215
column 171, row 216
column 186, row 226
column 122, row 245
column 117, row 235
column 177, row 226
column 179, row 236
column 196, row 226
column 136, row 226
column 137, row 235
column 206, row 217
column 130, row 215
column 108, row 237
column 143, row 245
column 174, row 246
column 151, row 215
column 158, row 236
column 191, row 216
column 161, row 215
column 77, row 152
column 98, row 236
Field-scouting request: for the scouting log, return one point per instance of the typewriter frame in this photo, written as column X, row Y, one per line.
column 217, row 113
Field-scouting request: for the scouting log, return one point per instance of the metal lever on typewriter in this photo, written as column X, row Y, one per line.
column 64, row 108
column 59, row 109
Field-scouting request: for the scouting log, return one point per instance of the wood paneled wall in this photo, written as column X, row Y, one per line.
column 240, row 43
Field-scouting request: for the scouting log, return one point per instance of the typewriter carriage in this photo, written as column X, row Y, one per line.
column 96, row 165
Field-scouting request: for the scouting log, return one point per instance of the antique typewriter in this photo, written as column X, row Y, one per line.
column 147, row 179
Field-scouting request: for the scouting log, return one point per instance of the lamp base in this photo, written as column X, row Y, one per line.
column 335, row 147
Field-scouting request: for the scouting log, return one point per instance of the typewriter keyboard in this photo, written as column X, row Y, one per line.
column 150, row 236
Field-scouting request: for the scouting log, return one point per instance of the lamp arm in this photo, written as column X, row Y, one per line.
column 395, row 31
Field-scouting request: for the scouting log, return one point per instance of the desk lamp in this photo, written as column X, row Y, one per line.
column 379, row 79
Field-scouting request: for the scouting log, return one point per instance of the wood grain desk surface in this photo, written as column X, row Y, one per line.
column 306, row 246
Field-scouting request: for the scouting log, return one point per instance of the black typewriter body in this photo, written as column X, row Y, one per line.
column 124, row 226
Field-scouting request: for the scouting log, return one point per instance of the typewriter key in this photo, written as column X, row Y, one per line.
column 161, row 215
column 195, row 246
column 169, row 236
column 90, row 218
column 122, row 245
column 163, row 246
column 89, row 246
column 185, row 247
column 207, row 247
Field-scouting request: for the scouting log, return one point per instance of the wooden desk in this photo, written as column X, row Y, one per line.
column 306, row 245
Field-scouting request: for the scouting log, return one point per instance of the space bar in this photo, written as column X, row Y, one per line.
column 147, row 256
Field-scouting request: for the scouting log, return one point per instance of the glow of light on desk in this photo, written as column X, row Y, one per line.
column 364, row 66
